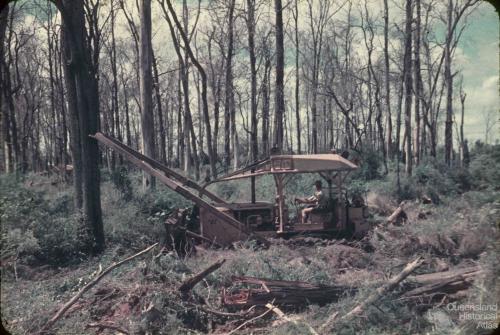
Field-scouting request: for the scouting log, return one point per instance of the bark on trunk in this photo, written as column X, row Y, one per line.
column 145, row 87
column 280, row 68
column 86, row 89
column 408, row 87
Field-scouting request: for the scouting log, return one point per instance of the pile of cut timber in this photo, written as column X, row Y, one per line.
column 282, row 292
column 419, row 290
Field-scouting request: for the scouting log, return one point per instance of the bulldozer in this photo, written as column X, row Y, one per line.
column 224, row 222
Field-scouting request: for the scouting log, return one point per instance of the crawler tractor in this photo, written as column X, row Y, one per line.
column 226, row 222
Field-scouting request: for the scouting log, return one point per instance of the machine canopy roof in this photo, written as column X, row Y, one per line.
column 293, row 164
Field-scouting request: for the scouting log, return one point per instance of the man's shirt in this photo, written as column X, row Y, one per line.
column 319, row 198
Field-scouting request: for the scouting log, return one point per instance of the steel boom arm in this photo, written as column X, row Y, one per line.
column 164, row 175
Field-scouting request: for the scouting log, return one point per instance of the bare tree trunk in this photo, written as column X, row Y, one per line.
column 145, row 87
column 87, row 97
column 387, row 81
column 280, row 69
column 161, row 125
column 128, row 134
column 4, row 115
column 408, row 87
column 75, row 144
column 462, row 139
column 229, row 108
column 418, row 85
column 448, row 131
column 114, row 72
column 297, row 77
column 265, row 105
column 254, row 144
column 203, row 91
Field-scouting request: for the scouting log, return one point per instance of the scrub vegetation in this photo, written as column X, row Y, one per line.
column 46, row 259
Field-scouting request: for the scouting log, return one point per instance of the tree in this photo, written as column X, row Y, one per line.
column 229, row 108
column 254, row 144
column 83, row 106
column 454, row 13
column 203, row 74
column 387, row 81
column 5, row 138
column 279, row 104
column 146, row 89
column 408, row 86
column 295, row 14
column 418, row 84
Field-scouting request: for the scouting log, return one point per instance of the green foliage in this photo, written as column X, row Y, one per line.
column 120, row 179
column 371, row 162
column 484, row 165
column 357, row 188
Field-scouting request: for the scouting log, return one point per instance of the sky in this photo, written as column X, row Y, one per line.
column 479, row 61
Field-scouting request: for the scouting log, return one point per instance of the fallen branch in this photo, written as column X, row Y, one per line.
column 379, row 293
column 107, row 325
column 84, row 289
column 188, row 284
column 227, row 314
column 282, row 315
column 248, row 321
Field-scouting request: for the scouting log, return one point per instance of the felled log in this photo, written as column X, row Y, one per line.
column 188, row 284
column 398, row 215
column 441, row 284
column 282, row 292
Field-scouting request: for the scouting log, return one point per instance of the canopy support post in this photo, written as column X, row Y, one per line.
column 252, row 186
column 279, row 186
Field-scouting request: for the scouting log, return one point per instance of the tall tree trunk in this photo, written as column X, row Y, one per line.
column 6, row 148
column 13, row 152
column 75, row 142
column 114, row 73
column 145, row 87
column 448, row 131
column 87, row 97
column 418, row 84
column 462, row 139
column 254, row 145
column 265, row 105
column 204, row 98
column 387, row 81
column 279, row 104
column 297, row 77
column 5, row 152
column 408, row 87
column 229, row 108
column 161, row 125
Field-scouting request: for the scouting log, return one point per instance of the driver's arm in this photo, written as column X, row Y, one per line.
column 311, row 200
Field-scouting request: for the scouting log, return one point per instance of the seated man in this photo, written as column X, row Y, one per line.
column 316, row 201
